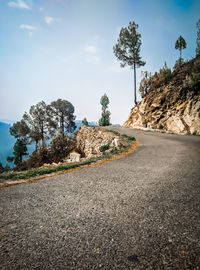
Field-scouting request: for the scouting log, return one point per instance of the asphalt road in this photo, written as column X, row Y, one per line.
column 138, row 212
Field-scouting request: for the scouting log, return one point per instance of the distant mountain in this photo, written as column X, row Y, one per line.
column 7, row 141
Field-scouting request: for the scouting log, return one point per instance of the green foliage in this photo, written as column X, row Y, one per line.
column 1, row 168
column 178, row 63
column 130, row 138
column 192, row 81
column 43, row 171
column 61, row 115
column 38, row 122
column 105, row 147
column 198, row 39
column 36, row 157
column 10, row 159
column 113, row 131
column 85, row 122
column 161, row 77
column 19, row 129
column 105, row 116
column 166, row 72
column 127, row 49
column 60, row 146
column 145, row 84
column 180, row 44
column 115, row 151
column 20, row 150
column 6, row 168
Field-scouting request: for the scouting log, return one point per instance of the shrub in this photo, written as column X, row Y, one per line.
column 192, row 81
column 178, row 63
column 60, row 146
column 130, row 138
column 145, row 84
column 1, row 168
column 105, row 147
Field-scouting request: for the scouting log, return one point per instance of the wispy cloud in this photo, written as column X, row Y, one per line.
column 48, row 19
column 20, row 4
column 28, row 27
column 90, row 49
column 41, row 9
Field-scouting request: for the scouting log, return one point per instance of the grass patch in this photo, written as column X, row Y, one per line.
column 130, row 138
column 114, row 132
column 39, row 171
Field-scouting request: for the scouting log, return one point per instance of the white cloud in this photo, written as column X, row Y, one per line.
column 48, row 19
column 19, row 4
column 90, row 49
column 28, row 27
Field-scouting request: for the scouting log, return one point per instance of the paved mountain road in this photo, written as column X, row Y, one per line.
column 139, row 212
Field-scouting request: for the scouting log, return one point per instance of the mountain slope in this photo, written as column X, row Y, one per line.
column 6, row 142
column 173, row 105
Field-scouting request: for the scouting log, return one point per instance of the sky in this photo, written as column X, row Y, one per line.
column 52, row 49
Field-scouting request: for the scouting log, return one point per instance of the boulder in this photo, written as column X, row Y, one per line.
column 75, row 157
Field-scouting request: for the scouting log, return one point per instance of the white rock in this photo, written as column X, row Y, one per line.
column 115, row 142
column 75, row 157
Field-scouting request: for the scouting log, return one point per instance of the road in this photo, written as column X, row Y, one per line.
column 139, row 212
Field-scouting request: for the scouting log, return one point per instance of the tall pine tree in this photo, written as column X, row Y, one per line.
column 127, row 50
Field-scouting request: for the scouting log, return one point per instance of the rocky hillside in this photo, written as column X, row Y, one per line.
column 173, row 104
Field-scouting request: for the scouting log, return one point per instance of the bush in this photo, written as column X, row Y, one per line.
column 145, row 84
column 1, row 168
column 161, row 77
column 60, row 146
column 105, row 147
column 192, row 81
column 130, row 138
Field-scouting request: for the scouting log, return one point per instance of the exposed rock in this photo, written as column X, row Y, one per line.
column 115, row 142
column 90, row 140
column 75, row 157
column 173, row 106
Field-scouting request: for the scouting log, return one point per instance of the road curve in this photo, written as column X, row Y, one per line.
column 139, row 212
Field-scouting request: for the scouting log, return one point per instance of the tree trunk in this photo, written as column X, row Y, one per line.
column 180, row 55
column 135, row 97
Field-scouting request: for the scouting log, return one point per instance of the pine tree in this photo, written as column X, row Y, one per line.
column 105, row 116
column 127, row 50
column 19, row 130
column 180, row 45
column 38, row 122
column 61, row 113
column 85, row 122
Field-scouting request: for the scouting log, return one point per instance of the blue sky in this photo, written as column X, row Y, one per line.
column 54, row 49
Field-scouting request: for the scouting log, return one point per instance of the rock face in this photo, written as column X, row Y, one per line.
column 173, row 106
column 91, row 139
